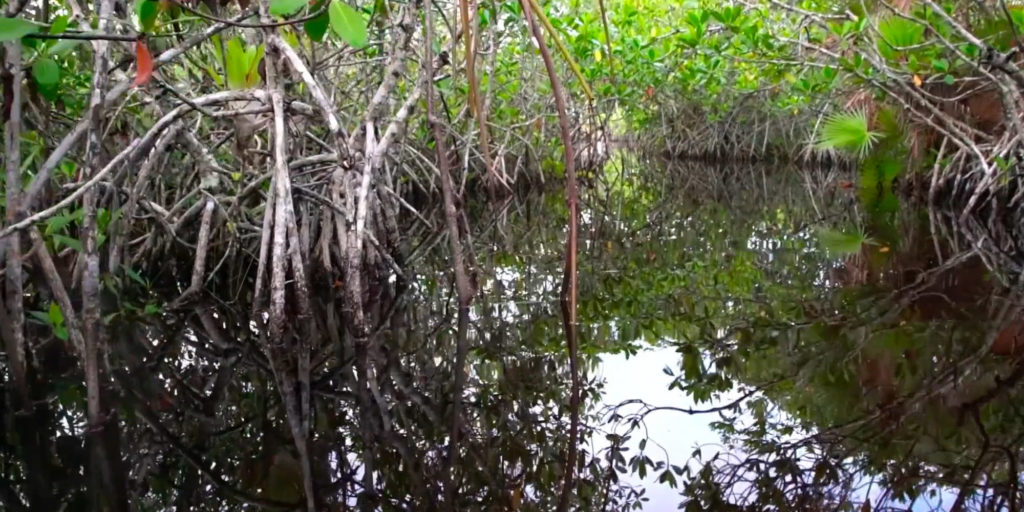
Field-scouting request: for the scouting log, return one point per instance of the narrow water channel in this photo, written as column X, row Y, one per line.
column 754, row 338
column 775, row 334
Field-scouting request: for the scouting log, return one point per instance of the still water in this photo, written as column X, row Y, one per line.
column 778, row 337
column 754, row 338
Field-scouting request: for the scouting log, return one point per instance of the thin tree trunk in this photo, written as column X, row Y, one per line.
column 286, row 355
column 569, row 278
column 106, row 484
column 24, row 412
column 463, row 285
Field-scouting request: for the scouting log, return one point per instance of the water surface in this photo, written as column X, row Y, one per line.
column 823, row 343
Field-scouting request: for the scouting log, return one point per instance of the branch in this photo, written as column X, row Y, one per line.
column 391, row 73
column 725, row 407
column 249, row 14
column 314, row 87
column 138, row 144
column 86, row 36
column 285, row 246
column 202, row 247
column 72, row 139
column 60, row 293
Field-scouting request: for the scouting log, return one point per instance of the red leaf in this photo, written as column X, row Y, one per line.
column 143, row 65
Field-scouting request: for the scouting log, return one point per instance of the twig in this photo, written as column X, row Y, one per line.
column 85, row 36
column 249, row 14
column 174, row 92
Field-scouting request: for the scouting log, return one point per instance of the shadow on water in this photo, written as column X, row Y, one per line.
column 844, row 347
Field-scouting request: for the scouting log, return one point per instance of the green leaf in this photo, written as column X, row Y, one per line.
column 840, row 243
column 949, row 80
column 64, row 46
column 898, row 33
column 58, row 223
column 216, row 45
column 55, row 316
column 68, row 241
column 668, row 477
column 46, row 72
column 285, row 7
column 41, row 316
column 348, row 24
column 692, row 366
column 237, row 62
column 317, row 27
column 849, row 131
column 103, row 218
column 47, row 75
column 135, row 276
column 60, row 332
column 59, row 25
column 255, row 56
column 289, row 37
column 147, row 12
column 12, row 29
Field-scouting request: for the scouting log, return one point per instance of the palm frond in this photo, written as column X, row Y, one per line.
column 897, row 33
column 848, row 131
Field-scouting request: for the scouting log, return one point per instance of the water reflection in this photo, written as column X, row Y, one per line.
column 839, row 351
column 882, row 371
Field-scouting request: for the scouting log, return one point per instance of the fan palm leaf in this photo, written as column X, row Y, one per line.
column 848, row 131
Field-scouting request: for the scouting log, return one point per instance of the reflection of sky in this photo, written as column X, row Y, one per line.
column 640, row 376
column 781, row 237
column 673, row 436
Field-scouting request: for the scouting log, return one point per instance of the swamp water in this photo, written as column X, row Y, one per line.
column 824, row 346
column 781, row 338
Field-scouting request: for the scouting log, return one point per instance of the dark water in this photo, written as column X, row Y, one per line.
column 826, row 345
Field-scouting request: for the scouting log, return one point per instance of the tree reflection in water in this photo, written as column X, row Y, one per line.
column 880, row 375
column 887, row 371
